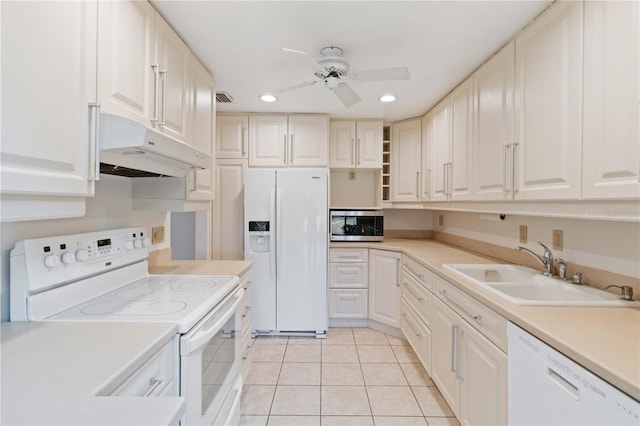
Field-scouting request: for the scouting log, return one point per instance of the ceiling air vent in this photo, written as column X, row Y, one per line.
column 224, row 98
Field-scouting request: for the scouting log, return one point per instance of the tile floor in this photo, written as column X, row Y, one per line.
column 354, row 377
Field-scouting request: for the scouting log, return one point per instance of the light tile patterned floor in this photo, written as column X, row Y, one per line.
column 354, row 377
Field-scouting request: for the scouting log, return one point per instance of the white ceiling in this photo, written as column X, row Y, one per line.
column 441, row 42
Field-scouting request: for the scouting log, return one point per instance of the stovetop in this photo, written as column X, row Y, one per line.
column 182, row 300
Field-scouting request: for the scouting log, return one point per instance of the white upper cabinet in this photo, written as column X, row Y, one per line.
column 232, row 136
column 48, row 84
column 611, row 139
column 438, row 141
column 493, row 127
column 355, row 144
column 126, row 51
column 202, row 129
column 288, row 141
column 460, row 162
column 548, row 105
column 405, row 156
column 173, row 60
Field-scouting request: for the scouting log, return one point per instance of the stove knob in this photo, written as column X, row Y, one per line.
column 68, row 258
column 52, row 260
column 137, row 243
column 81, row 255
column 146, row 242
column 128, row 245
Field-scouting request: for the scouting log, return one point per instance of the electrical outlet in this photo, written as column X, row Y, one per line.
column 557, row 239
column 157, row 235
column 523, row 234
column 352, row 175
column 440, row 220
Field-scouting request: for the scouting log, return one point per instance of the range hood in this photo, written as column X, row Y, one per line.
column 129, row 148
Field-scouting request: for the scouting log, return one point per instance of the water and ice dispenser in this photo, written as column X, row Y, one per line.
column 259, row 236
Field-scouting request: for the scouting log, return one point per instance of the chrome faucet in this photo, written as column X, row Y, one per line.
column 546, row 260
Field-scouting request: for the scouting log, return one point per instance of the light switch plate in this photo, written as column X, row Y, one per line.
column 523, row 234
column 352, row 175
column 557, row 239
column 157, row 235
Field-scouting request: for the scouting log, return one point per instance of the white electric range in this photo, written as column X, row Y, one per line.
column 102, row 277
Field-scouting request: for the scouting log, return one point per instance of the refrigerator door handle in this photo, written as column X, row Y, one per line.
column 278, row 233
column 272, row 239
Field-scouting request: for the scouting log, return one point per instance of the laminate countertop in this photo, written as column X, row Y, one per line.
column 605, row 340
column 54, row 373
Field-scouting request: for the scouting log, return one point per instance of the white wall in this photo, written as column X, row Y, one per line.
column 408, row 219
column 607, row 245
column 109, row 209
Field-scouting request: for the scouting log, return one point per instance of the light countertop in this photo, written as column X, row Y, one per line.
column 604, row 340
column 52, row 373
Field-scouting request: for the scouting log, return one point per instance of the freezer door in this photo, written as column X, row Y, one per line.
column 301, row 243
column 259, row 245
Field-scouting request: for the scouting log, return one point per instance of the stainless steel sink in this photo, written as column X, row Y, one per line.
column 524, row 286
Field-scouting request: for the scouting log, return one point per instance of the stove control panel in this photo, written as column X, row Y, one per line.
column 54, row 260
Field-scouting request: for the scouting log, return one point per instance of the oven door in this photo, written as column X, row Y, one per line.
column 210, row 356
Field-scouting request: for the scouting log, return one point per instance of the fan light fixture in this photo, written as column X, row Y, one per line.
column 268, row 98
column 387, row 98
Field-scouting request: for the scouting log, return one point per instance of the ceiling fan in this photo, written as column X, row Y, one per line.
column 332, row 70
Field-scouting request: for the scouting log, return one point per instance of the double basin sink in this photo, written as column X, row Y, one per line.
column 524, row 286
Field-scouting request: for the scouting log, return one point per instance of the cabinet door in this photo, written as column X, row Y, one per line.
column 126, row 49
column 428, row 134
column 173, row 57
column 459, row 179
column 228, row 230
column 48, row 80
column 369, row 145
column 267, row 140
column 611, row 139
column 384, row 287
column 342, row 144
column 443, row 354
column 231, row 136
column 493, row 126
column 548, row 105
column 440, row 148
column 349, row 303
column 405, row 155
column 201, row 136
column 483, row 371
column 308, row 141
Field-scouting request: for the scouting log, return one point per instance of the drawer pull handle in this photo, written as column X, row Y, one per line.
column 420, row 299
column 408, row 268
column 247, row 285
column 348, row 256
column 246, row 311
column 348, row 272
column 404, row 314
column 154, row 383
column 348, row 298
column 453, row 346
column 476, row 317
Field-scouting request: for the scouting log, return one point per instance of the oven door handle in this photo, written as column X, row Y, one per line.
column 210, row 324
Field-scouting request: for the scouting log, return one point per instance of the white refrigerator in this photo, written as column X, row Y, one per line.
column 286, row 236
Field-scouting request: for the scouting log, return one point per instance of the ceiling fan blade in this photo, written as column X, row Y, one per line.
column 316, row 66
column 382, row 74
column 346, row 94
column 297, row 86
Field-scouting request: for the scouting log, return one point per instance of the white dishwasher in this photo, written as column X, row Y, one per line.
column 547, row 388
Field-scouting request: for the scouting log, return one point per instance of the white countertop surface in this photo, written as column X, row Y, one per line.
column 604, row 340
column 52, row 372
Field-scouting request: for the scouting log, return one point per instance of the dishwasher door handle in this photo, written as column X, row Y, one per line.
column 563, row 383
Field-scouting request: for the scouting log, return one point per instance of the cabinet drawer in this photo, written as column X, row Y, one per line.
column 419, row 272
column 489, row 323
column 348, row 275
column 417, row 333
column 154, row 377
column 348, row 303
column 417, row 296
column 348, row 255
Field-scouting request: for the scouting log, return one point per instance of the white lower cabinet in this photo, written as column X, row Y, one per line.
column 348, row 283
column 384, row 287
column 469, row 370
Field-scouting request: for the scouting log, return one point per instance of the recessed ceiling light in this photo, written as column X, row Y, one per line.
column 268, row 98
column 387, row 98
